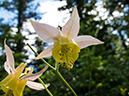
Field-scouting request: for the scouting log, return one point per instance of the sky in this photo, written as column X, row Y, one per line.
column 50, row 7
column 52, row 17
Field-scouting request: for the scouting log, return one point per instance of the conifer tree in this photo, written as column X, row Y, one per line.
column 23, row 10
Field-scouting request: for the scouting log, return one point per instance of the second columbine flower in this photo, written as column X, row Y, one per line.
column 16, row 80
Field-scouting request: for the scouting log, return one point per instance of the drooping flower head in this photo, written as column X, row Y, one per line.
column 16, row 80
column 67, row 44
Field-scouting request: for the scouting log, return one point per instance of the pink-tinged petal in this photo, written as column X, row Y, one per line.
column 46, row 32
column 86, row 40
column 71, row 28
column 35, row 85
column 34, row 76
column 10, row 58
column 45, row 53
column 6, row 67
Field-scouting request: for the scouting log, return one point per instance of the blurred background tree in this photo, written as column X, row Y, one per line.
column 22, row 10
column 100, row 70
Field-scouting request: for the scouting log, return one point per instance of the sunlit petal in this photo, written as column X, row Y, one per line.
column 34, row 76
column 71, row 28
column 86, row 40
column 45, row 53
column 18, row 68
column 19, row 88
column 6, row 67
column 10, row 58
column 46, row 32
column 6, row 79
column 4, row 88
column 35, row 85
column 12, row 82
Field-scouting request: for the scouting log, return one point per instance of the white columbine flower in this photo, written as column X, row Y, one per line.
column 67, row 44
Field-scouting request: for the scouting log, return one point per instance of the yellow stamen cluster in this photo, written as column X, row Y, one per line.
column 66, row 54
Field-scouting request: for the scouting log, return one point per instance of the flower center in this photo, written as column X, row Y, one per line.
column 66, row 54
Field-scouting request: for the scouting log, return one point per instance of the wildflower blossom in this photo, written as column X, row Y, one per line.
column 16, row 80
column 123, row 91
column 67, row 44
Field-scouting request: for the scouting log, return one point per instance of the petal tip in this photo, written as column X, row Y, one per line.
column 48, row 84
column 75, row 7
column 101, row 42
column 31, row 21
column 5, row 40
column 36, row 58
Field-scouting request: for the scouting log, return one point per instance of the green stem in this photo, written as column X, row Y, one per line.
column 89, row 83
column 45, row 87
column 41, row 58
column 66, row 82
column 8, row 93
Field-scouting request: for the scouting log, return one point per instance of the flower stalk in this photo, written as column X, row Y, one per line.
column 45, row 87
column 66, row 83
